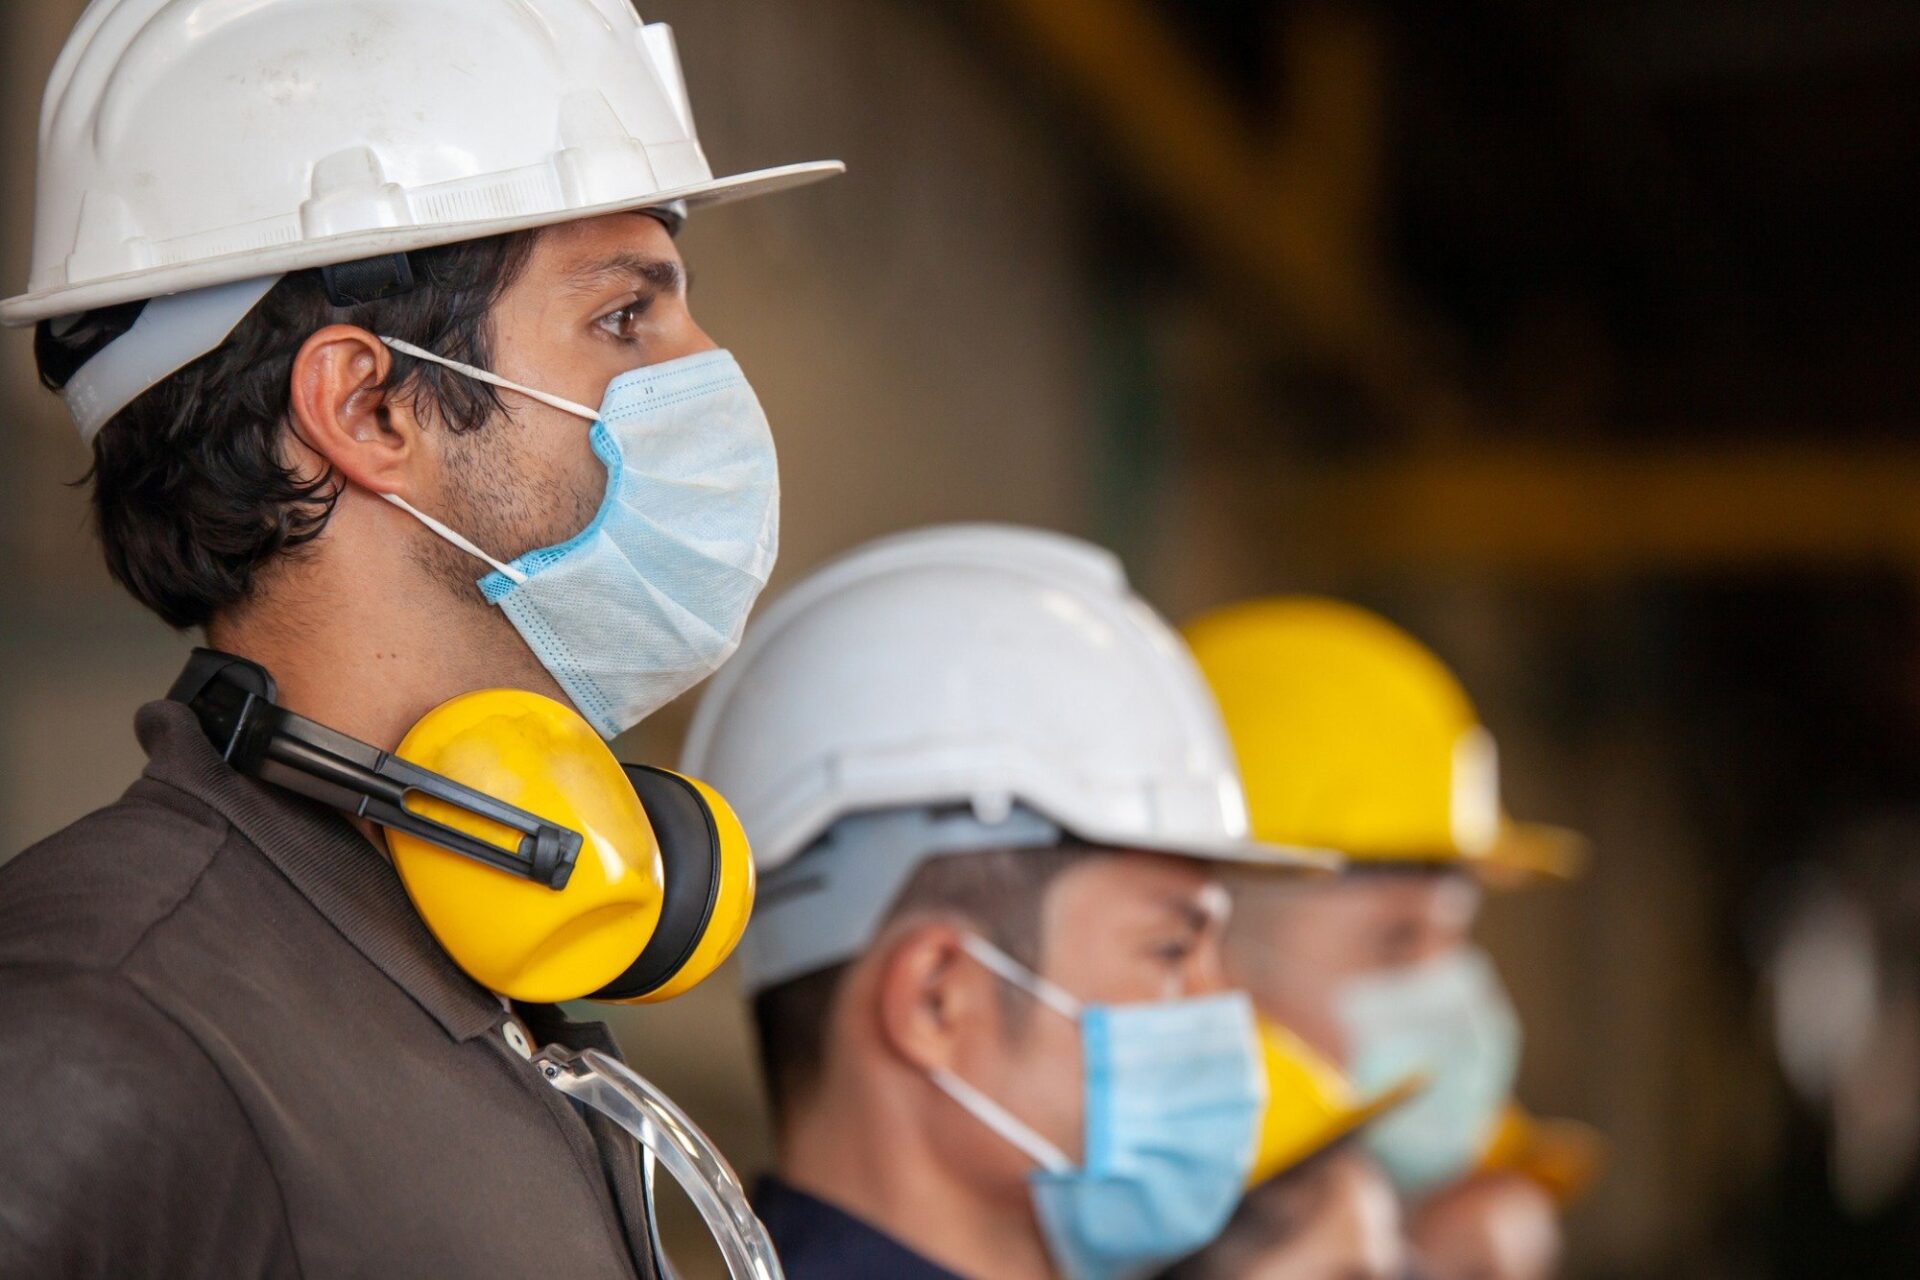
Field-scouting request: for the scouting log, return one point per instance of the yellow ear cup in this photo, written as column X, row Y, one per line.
column 1310, row 1105
column 731, row 899
column 514, row 936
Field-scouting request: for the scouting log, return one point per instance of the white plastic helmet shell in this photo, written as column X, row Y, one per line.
column 972, row 664
column 189, row 143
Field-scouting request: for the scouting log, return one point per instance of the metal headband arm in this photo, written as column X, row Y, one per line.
column 233, row 699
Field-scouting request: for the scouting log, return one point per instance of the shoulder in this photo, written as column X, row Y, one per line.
column 77, row 1041
column 85, row 896
column 117, row 1134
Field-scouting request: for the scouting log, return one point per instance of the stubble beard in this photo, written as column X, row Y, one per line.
column 506, row 507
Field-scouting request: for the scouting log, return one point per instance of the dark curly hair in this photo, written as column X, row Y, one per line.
column 192, row 495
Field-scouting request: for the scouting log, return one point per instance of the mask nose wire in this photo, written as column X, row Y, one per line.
column 491, row 379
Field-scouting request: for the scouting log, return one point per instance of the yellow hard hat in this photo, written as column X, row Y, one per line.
column 655, row 901
column 1310, row 1105
column 1564, row 1157
column 1352, row 735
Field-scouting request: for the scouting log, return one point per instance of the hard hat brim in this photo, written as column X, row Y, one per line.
column 1350, row 1124
column 1526, row 852
column 154, row 282
column 1249, row 853
column 1564, row 1157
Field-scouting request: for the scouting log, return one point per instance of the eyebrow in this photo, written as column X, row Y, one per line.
column 638, row 269
column 1196, row 915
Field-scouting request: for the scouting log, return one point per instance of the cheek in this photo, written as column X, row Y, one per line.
column 1303, row 1004
column 1039, row 1078
column 558, row 483
column 579, row 482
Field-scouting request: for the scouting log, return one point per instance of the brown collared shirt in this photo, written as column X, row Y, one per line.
column 229, row 1047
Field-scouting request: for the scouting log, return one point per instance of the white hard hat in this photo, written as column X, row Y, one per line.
column 186, row 144
column 978, row 665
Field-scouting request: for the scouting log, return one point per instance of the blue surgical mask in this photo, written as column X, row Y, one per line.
column 1450, row 1021
column 652, row 596
column 1173, row 1097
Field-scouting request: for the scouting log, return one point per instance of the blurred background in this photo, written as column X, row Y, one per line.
column 1578, row 337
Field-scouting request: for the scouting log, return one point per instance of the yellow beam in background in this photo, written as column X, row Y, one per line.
column 1593, row 514
column 1293, row 219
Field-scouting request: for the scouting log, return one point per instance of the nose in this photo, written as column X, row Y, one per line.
column 1207, row 970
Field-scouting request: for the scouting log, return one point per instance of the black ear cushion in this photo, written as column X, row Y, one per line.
column 690, row 864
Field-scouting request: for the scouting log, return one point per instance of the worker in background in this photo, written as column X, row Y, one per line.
column 1318, row 1207
column 351, row 304
column 990, row 796
column 1352, row 735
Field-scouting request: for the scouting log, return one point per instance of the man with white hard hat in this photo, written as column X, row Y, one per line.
column 988, row 790
column 373, row 320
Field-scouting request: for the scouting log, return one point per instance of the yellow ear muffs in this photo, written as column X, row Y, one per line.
column 514, row 936
column 709, row 887
column 658, row 895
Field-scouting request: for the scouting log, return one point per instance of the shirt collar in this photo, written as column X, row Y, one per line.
column 345, row 878
column 816, row 1239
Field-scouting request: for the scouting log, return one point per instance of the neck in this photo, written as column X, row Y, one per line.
column 865, row 1150
column 366, row 642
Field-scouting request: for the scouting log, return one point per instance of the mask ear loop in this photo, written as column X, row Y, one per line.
column 1005, row 967
column 478, row 374
column 1002, row 1121
column 1015, row 1131
column 459, row 540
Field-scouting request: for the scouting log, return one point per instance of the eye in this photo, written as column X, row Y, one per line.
column 621, row 324
column 1175, row 953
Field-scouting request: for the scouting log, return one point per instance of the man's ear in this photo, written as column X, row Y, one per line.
column 342, row 414
column 931, row 996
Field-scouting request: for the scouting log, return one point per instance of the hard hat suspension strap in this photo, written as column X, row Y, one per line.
column 353, row 284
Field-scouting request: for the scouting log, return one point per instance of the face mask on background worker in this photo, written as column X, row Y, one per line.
column 1174, row 1092
column 652, row 596
column 1449, row 1021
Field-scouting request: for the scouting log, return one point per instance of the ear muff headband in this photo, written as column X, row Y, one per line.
column 690, row 857
column 705, row 880
column 234, row 702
